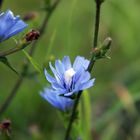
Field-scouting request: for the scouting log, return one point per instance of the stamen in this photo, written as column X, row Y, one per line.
column 69, row 74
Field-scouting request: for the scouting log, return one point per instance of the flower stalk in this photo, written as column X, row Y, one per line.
column 92, row 61
column 1, row 2
column 22, row 43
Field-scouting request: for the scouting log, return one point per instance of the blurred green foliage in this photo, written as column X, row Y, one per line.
column 116, row 95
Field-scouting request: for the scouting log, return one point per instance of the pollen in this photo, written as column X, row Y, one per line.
column 69, row 74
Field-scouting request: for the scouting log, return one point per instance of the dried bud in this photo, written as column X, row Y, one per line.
column 97, row 52
column 5, row 126
column 30, row 16
column 32, row 35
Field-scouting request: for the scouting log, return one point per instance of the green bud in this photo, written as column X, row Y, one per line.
column 100, row 52
column 106, row 44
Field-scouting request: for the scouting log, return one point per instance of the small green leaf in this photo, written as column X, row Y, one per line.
column 5, row 61
column 33, row 62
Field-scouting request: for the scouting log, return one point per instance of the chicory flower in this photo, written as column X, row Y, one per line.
column 67, row 81
column 10, row 25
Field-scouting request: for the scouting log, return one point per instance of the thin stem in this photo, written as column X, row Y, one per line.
column 97, row 22
column 11, row 51
column 11, row 96
column 1, row 2
column 72, row 117
column 25, row 68
column 92, row 61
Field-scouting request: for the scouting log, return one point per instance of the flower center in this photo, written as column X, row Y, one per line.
column 69, row 74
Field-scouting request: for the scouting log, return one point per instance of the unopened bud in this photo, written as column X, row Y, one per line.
column 101, row 52
column 107, row 43
column 32, row 35
column 96, row 51
column 30, row 16
column 6, row 126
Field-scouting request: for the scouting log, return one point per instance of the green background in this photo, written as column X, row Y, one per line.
column 115, row 96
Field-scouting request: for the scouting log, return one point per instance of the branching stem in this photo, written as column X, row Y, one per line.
column 25, row 68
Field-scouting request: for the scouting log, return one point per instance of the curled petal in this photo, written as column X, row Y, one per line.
column 57, row 76
column 49, row 77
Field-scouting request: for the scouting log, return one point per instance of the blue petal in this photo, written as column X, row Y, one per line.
column 49, row 77
column 66, row 62
column 57, row 76
column 82, row 80
column 57, row 101
column 80, row 62
column 84, row 77
column 53, row 81
column 18, row 27
column 78, row 74
column 10, row 25
column 85, row 64
column 50, row 96
column 86, row 85
column 7, row 16
column 59, row 88
column 6, row 21
column 59, row 68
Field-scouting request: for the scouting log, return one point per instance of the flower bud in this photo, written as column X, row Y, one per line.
column 101, row 52
column 32, row 35
column 30, row 16
column 97, row 52
column 107, row 43
column 5, row 126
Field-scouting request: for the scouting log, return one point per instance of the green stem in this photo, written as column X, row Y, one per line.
column 72, row 117
column 1, row 3
column 97, row 22
column 92, row 61
column 12, row 50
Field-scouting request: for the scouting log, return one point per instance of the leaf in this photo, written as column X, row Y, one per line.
column 82, row 127
column 50, row 46
column 33, row 62
column 86, row 115
column 5, row 61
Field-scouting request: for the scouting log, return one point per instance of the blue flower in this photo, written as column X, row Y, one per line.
column 10, row 25
column 67, row 81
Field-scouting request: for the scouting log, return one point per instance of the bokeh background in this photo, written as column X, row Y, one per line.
column 113, row 113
